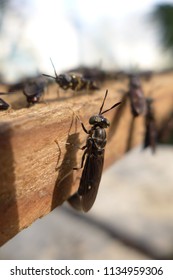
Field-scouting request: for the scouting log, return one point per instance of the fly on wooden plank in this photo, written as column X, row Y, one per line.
column 33, row 89
column 73, row 81
column 93, row 157
column 136, row 96
column 150, row 138
column 3, row 104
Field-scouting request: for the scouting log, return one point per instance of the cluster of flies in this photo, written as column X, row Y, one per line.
column 33, row 89
column 94, row 149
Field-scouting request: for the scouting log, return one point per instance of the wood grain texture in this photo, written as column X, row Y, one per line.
column 30, row 185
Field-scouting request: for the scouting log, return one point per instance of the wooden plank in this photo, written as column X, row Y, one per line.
column 30, row 185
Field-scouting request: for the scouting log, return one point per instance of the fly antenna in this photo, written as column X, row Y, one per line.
column 49, row 76
column 115, row 105
column 54, row 68
column 100, row 112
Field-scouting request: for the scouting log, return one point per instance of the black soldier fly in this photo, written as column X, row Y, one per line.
column 136, row 96
column 3, row 105
column 33, row 89
column 74, row 81
column 93, row 157
column 150, row 138
column 165, row 133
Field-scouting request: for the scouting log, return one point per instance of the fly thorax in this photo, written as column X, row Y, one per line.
column 99, row 137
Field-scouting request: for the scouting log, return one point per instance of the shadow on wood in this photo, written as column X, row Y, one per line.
column 65, row 180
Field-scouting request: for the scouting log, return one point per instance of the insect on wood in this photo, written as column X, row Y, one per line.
column 136, row 95
column 3, row 105
column 150, row 138
column 74, row 81
column 33, row 89
column 93, row 157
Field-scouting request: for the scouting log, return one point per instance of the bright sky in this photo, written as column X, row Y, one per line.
column 72, row 32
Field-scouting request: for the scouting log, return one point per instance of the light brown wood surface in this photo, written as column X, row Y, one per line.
column 30, row 185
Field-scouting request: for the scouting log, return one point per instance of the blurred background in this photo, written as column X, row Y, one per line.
column 133, row 214
column 111, row 34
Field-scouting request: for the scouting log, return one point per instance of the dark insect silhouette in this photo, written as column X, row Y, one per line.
column 3, row 104
column 136, row 96
column 93, row 157
column 74, row 81
column 165, row 133
column 150, row 138
column 33, row 89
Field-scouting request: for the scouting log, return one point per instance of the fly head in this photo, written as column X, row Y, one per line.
column 99, row 120
column 63, row 80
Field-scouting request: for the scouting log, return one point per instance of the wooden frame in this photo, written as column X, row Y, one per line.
column 31, row 185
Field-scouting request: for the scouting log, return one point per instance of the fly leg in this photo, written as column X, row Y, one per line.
column 84, row 128
column 83, row 158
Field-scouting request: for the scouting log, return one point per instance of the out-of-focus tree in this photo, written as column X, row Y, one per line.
column 163, row 14
column 3, row 7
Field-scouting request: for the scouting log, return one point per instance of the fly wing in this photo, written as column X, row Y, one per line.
column 90, row 180
column 137, row 99
column 75, row 201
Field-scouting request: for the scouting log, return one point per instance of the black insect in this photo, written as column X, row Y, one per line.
column 150, row 138
column 93, row 157
column 136, row 96
column 33, row 89
column 74, row 81
column 165, row 133
column 3, row 105
column 146, row 75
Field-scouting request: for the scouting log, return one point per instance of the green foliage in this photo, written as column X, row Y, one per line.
column 163, row 14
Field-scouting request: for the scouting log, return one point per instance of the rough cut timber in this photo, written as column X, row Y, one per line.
column 35, row 173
